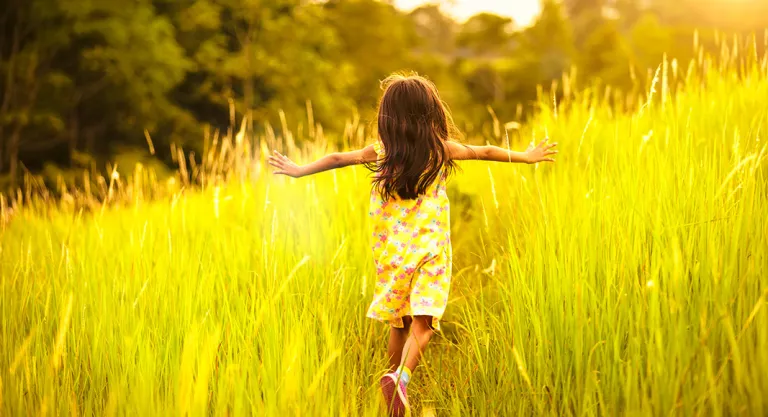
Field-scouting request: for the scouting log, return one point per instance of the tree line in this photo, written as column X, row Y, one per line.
column 82, row 81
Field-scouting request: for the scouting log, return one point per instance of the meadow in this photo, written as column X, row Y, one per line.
column 629, row 278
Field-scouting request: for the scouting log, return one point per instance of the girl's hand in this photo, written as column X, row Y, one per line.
column 540, row 153
column 284, row 165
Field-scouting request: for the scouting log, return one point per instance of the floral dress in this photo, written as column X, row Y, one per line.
column 412, row 254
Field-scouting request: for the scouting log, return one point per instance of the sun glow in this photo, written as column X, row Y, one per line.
column 523, row 12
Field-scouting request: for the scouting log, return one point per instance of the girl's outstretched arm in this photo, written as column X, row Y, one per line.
column 332, row 161
column 534, row 154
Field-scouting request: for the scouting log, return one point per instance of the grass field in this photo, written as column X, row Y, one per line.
column 629, row 278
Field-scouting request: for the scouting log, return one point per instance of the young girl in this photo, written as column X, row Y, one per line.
column 410, row 216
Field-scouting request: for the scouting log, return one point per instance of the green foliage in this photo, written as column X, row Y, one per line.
column 486, row 35
column 549, row 44
column 436, row 31
column 89, row 77
column 649, row 42
column 605, row 55
column 375, row 39
column 132, row 60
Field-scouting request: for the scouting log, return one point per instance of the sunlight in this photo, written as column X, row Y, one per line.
column 523, row 12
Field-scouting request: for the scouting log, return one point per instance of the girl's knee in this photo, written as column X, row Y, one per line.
column 422, row 325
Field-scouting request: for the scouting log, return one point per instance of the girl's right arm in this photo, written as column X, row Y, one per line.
column 533, row 155
column 284, row 166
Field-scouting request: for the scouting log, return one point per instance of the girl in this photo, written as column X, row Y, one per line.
column 410, row 216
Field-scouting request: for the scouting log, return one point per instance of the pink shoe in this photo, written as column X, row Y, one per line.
column 395, row 395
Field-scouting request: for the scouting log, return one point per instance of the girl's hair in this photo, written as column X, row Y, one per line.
column 413, row 126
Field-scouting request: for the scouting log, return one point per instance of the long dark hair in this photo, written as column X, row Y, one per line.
column 413, row 126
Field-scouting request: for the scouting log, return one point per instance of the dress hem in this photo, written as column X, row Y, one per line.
column 397, row 322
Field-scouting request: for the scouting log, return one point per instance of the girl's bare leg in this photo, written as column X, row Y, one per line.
column 397, row 339
column 421, row 333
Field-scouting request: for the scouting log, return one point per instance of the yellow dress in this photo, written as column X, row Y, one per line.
column 412, row 253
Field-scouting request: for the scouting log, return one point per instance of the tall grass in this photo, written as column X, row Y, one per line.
column 629, row 278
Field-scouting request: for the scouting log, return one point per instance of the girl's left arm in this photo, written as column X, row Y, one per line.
column 534, row 154
column 285, row 166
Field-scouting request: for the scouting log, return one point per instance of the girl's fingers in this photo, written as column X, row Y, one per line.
column 280, row 156
column 552, row 145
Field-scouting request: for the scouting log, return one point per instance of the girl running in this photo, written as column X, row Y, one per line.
column 409, row 213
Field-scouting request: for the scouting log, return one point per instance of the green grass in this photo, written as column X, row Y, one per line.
column 629, row 278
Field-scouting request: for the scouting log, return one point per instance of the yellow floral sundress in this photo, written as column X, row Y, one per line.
column 412, row 254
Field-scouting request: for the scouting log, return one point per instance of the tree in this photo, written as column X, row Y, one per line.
column 744, row 17
column 605, row 55
column 550, row 41
column 486, row 35
column 375, row 39
column 101, row 68
column 265, row 55
column 127, row 61
column 600, row 45
column 32, row 35
column 649, row 41
column 436, row 31
column 584, row 15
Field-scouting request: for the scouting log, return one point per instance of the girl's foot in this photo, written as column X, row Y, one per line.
column 395, row 395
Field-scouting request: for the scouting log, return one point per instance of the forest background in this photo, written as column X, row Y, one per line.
column 84, row 83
